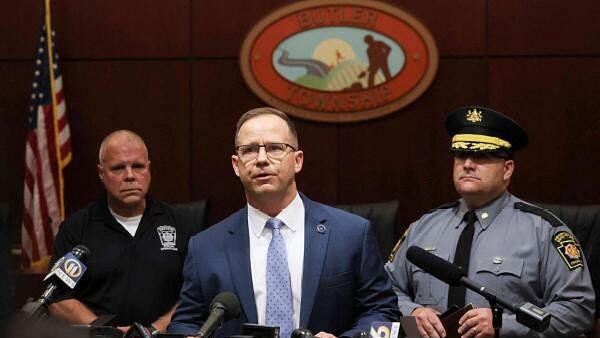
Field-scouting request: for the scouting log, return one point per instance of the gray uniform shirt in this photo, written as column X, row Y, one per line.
column 512, row 254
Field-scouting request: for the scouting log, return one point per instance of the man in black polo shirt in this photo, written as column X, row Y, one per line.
column 138, row 245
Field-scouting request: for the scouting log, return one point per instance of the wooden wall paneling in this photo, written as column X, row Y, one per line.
column 406, row 155
column 519, row 27
column 19, row 26
column 113, row 29
column 557, row 101
column 16, row 89
column 458, row 27
column 219, row 27
column 319, row 178
column 220, row 96
column 148, row 97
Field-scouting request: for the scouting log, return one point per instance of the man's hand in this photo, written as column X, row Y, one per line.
column 476, row 323
column 162, row 322
column 428, row 323
column 325, row 335
column 72, row 311
column 124, row 329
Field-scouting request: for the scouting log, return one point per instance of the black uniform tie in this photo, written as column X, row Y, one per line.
column 456, row 294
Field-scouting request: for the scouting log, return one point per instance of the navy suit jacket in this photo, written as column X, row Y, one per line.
column 344, row 285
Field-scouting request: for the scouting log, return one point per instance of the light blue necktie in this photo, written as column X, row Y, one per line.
column 280, row 309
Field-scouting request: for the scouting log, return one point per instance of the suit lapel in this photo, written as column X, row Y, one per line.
column 238, row 256
column 315, row 247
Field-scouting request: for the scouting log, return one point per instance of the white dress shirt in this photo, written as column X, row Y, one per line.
column 260, row 237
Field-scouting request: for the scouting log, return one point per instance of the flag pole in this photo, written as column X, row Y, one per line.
column 59, row 161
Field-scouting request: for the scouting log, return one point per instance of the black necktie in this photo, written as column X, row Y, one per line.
column 456, row 294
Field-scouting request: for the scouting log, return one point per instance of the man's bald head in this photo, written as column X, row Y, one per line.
column 117, row 136
column 124, row 169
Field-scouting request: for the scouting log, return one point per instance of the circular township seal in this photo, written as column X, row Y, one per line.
column 339, row 60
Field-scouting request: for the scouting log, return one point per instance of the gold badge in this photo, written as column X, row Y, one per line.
column 572, row 251
column 474, row 115
column 397, row 246
column 568, row 248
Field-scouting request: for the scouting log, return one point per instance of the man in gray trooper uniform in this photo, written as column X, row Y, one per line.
column 519, row 251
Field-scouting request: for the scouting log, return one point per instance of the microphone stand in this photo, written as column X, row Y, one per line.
column 38, row 309
column 497, row 310
column 34, row 309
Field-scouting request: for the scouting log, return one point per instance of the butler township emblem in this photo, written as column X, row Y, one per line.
column 339, row 60
column 168, row 237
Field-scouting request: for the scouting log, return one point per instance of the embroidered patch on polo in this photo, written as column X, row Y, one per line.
column 168, row 237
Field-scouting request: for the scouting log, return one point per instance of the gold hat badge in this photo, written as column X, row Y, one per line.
column 474, row 116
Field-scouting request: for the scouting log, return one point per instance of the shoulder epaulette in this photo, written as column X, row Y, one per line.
column 444, row 206
column 543, row 213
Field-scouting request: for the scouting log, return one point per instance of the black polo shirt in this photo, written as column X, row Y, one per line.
column 136, row 278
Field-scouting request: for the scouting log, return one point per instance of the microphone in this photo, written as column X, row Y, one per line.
column 224, row 306
column 361, row 334
column 69, row 269
column 137, row 330
column 434, row 265
column 527, row 314
column 302, row 333
column 383, row 330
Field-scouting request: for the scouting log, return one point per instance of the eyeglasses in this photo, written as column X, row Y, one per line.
column 275, row 151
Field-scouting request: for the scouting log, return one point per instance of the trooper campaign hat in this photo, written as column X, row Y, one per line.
column 481, row 129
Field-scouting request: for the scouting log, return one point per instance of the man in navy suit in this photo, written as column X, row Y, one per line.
column 336, row 284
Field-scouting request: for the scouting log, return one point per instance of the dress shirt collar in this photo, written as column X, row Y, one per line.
column 487, row 213
column 289, row 215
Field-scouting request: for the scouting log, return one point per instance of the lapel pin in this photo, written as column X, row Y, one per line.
column 321, row 228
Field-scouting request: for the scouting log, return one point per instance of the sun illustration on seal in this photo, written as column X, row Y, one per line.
column 333, row 51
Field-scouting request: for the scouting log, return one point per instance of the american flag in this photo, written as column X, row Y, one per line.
column 47, row 152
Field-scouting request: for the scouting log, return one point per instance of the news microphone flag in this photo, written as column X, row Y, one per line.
column 47, row 153
column 385, row 329
column 68, row 269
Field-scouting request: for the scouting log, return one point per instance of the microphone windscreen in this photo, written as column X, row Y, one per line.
column 81, row 252
column 229, row 302
column 434, row 265
column 302, row 333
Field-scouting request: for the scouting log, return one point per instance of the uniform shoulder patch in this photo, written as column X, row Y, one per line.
column 568, row 248
column 397, row 246
column 444, row 206
column 543, row 213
